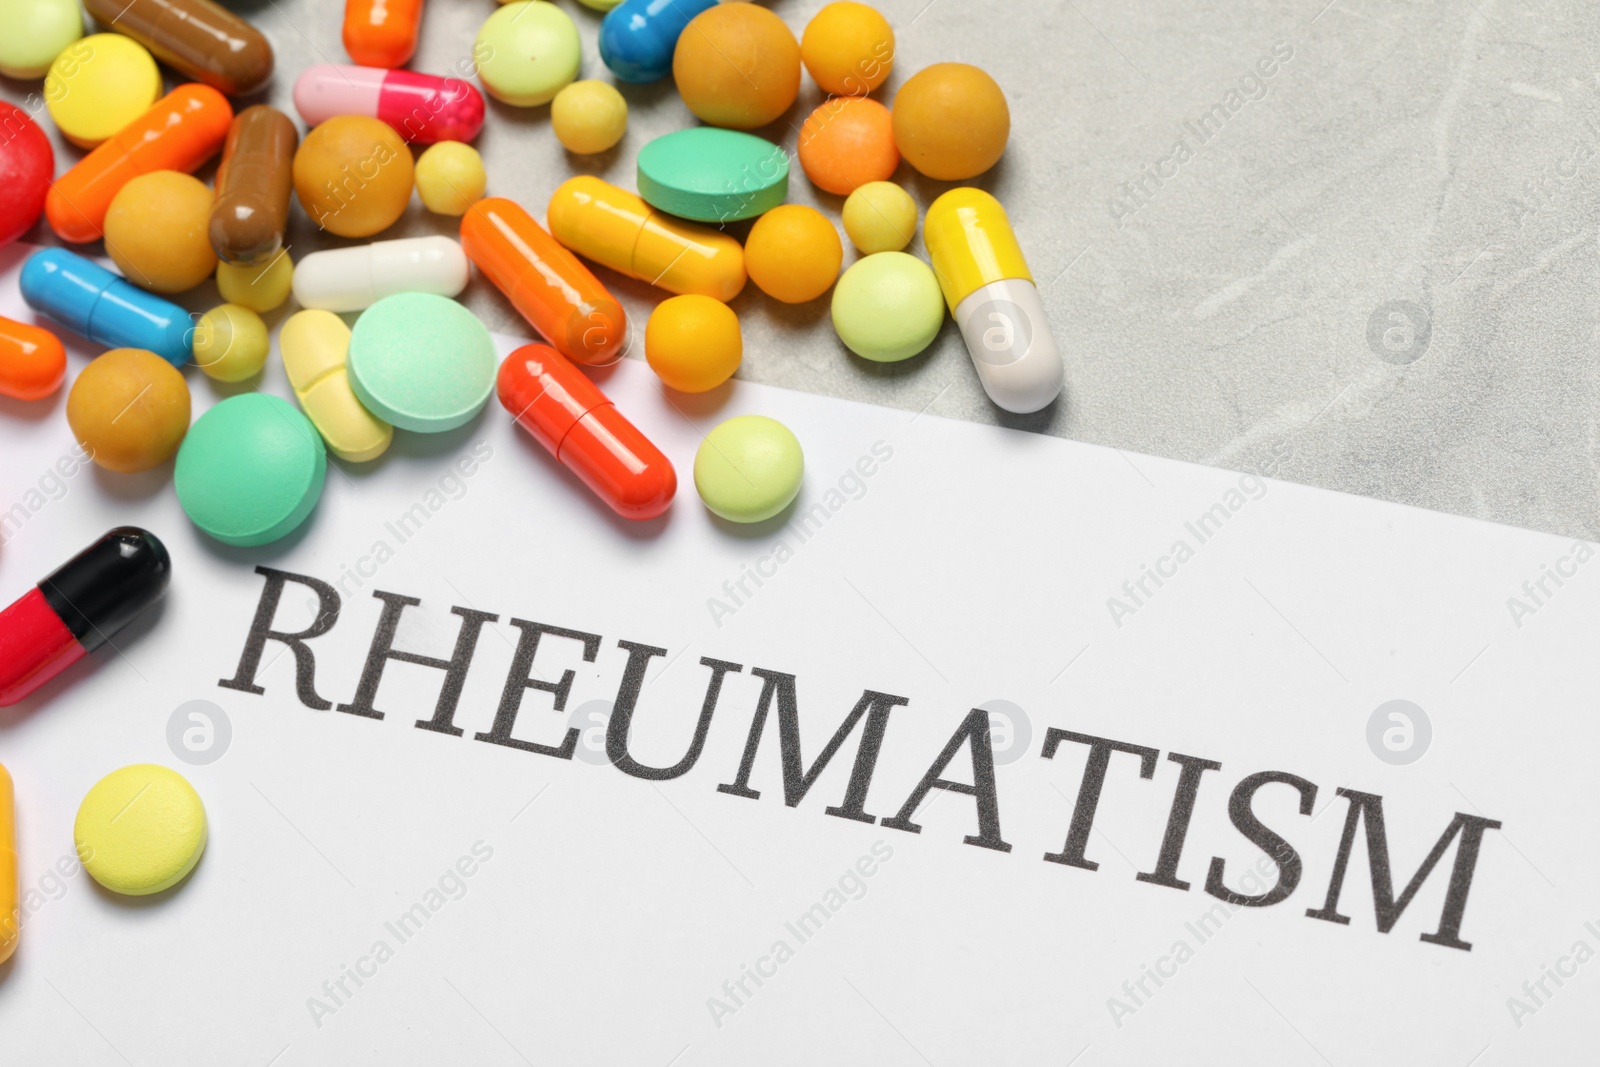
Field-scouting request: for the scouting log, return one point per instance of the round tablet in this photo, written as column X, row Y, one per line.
column 422, row 362
column 589, row 117
column 530, row 51
column 129, row 409
column 259, row 287
column 880, row 217
column 713, row 175
column 230, row 343
column 793, row 253
column 140, row 830
column 888, row 307
column 450, row 177
column 847, row 142
column 737, row 65
column 748, row 468
column 693, row 342
column 250, row 470
column 34, row 32
column 27, row 165
column 848, row 48
column 156, row 231
column 99, row 85
column 951, row 121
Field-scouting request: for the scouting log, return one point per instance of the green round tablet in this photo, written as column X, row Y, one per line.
column 888, row 307
column 250, row 469
column 421, row 362
column 527, row 52
column 748, row 468
column 713, row 175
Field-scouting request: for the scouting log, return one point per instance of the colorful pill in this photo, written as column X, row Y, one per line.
column 617, row 229
column 32, row 361
column 316, row 349
column 96, row 303
column 548, row 285
column 576, row 423
column 198, row 38
column 637, row 38
column 254, row 181
column 78, row 608
column 422, row 108
column 991, row 294
column 27, row 163
column 10, row 914
column 350, row 279
column 381, row 33
column 183, row 130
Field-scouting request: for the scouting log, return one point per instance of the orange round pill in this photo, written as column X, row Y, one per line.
column 129, row 409
column 848, row 48
column 951, row 121
column 793, row 253
column 737, row 65
column 847, row 142
column 353, row 175
column 157, row 231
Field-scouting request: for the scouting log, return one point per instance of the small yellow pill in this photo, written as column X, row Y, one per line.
column 880, row 217
column 316, row 351
column 589, row 117
column 98, row 85
column 450, row 176
column 261, row 288
column 693, row 343
column 230, row 343
column 140, row 830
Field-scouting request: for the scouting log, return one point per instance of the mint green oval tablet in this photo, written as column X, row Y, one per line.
column 421, row 362
column 748, row 468
column 713, row 175
column 250, row 469
column 888, row 307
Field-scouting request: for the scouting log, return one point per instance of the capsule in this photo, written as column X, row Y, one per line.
column 198, row 38
column 381, row 33
column 422, row 108
column 180, row 131
column 576, row 423
column 355, row 278
column 98, row 304
column 78, row 608
column 254, row 181
column 638, row 37
column 316, row 352
column 10, row 913
column 992, row 296
column 32, row 362
column 548, row 285
column 617, row 229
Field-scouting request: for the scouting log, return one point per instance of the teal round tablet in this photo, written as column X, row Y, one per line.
column 749, row 468
column 713, row 175
column 250, row 469
column 888, row 307
column 421, row 362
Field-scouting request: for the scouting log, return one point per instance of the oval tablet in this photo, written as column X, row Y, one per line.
column 350, row 279
column 316, row 349
column 713, row 175
column 421, row 361
column 748, row 468
column 250, row 469
column 140, row 830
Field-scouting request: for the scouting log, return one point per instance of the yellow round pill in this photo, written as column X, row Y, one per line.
column 450, row 176
column 230, row 343
column 589, row 117
column 693, row 343
column 140, row 830
column 98, row 85
column 880, row 217
column 261, row 287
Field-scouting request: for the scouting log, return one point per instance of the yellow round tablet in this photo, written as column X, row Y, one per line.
column 99, row 85
column 140, row 830
column 259, row 287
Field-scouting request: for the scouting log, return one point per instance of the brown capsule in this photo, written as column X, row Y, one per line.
column 253, row 185
column 198, row 38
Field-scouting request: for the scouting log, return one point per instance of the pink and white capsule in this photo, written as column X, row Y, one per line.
column 422, row 108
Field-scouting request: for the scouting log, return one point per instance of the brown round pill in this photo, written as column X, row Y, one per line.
column 198, row 38
column 129, row 409
column 254, row 180
column 353, row 175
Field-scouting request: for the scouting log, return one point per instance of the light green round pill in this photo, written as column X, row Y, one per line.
column 748, row 469
column 888, row 307
column 421, row 362
column 250, row 469
column 34, row 32
column 526, row 52
column 713, row 175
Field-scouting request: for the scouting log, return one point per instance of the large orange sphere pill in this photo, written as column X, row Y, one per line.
column 793, row 253
column 737, row 65
column 847, row 142
column 129, row 409
column 157, row 231
column 848, row 48
column 951, row 121
column 353, row 175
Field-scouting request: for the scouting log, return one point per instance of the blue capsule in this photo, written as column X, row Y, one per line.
column 637, row 37
column 97, row 303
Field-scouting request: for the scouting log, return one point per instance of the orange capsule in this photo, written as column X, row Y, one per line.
column 32, row 361
column 180, row 131
column 381, row 33
column 547, row 284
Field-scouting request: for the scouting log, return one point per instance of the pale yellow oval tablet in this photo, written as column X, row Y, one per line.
column 316, row 347
column 140, row 830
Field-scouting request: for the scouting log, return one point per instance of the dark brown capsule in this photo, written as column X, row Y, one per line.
column 198, row 38
column 253, row 185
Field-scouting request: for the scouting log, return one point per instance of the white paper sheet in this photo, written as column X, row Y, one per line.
column 611, row 919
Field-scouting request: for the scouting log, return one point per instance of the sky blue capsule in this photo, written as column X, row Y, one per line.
column 99, row 304
column 637, row 37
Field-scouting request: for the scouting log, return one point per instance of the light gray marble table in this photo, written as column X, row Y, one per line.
column 1372, row 269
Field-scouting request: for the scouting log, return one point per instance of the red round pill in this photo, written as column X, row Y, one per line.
column 27, row 166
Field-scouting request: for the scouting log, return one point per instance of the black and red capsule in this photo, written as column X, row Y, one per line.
column 79, row 607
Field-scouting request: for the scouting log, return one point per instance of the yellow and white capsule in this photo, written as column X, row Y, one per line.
column 991, row 293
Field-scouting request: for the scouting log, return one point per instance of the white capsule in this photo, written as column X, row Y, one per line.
column 351, row 279
column 1008, row 335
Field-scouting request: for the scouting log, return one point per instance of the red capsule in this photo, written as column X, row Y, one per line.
column 576, row 423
